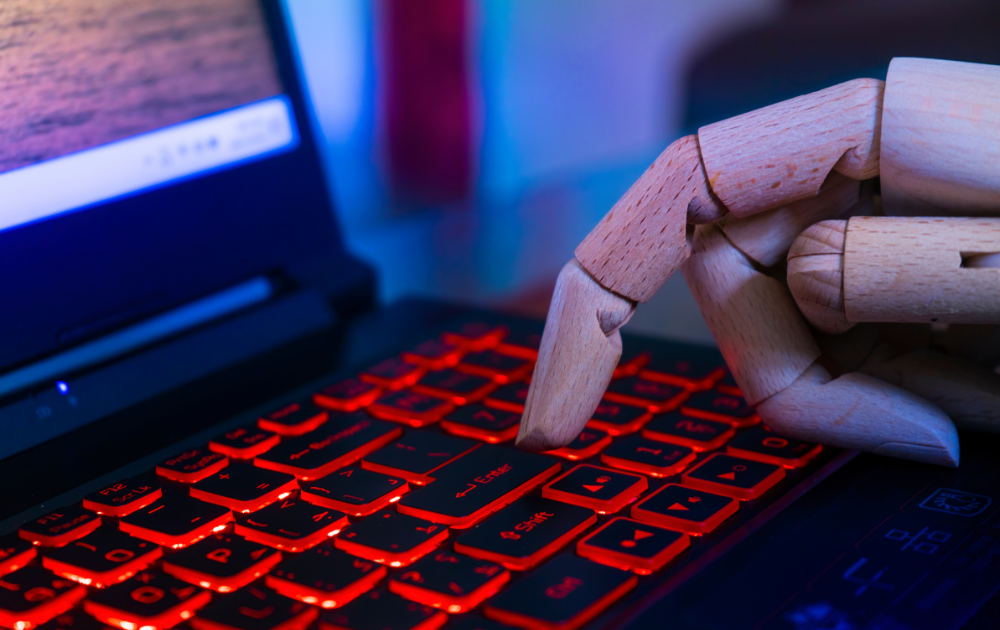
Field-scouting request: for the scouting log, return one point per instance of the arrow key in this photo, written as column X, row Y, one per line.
column 627, row 544
column 694, row 512
column 743, row 479
column 603, row 490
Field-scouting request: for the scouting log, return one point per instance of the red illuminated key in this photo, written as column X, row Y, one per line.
column 502, row 368
column 149, row 600
column 603, row 490
column 642, row 455
column 695, row 512
column 294, row 419
column 15, row 552
column 31, row 596
column 618, row 419
column 449, row 581
column 393, row 373
column 60, row 527
column 475, row 336
column 480, row 423
column 192, row 465
column 124, row 497
column 712, row 405
column 590, row 442
column 73, row 620
column 355, row 491
column 343, row 441
column 700, row 435
column 763, row 445
column 412, row 408
column 391, row 538
column 656, row 397
column 563, row 594
column 105, row 557
column 244, row 488
column 631, row 362
column 458, row 387
column 255, row 608
column 244, row 442
column 526, row 533
column 734, row 477
column 509, row 397
column 434, row 354
column 291, row 525
column 222, row 562
column 634, row 546
column 728, row 385
column 690, row 373
column 379, row 610
column 522, row 342
column 349, row 395
column 176, row 521
column 325, row 577
column 417, row 455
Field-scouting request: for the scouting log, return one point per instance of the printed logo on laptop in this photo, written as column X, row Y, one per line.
column 956, row 502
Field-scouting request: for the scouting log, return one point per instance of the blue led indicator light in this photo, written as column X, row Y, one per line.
column 62, row 387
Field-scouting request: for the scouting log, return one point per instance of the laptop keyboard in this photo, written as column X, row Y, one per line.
column 394, row 499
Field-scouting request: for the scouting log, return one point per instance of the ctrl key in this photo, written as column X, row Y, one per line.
column 564, row 594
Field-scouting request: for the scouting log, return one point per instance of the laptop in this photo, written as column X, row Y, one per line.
column 206, row 421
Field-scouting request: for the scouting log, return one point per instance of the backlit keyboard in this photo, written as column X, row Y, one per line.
column 394, row 499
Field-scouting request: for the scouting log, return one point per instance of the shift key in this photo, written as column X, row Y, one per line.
column 471, row 488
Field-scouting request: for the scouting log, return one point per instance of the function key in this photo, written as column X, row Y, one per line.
column 642, row 455
column 641, row 392
column 343, row 441
column 482, row 423
column 564, row 593
column 417, row 455
column 590, row 442
column 690, row 373
column 458, row 387
column 509, row 397
column 412, row 408
column 291, row 525
column 603, row 490
column 695, row 512
column 348, row 395
column 523, row 342
column 728, row 385
column 393, row 373
column 60, row 527
column 449, row 581
column 763, row 445
column 434, row 354
column 633, row 546
column 294, row 419
column 743, row 479
column 631, row 362
column 502, row 368
column 713, row 405
column 222, row 562
column 192, row 465
column 475, row 336
column 471, row 488
column 700, row 435
column 176, row 521
column 105, row 557
column 325, row 577
column 150, row 599
column 244, row 488
column 244, row 442
column 355, row 491
column 391, row 538
column 255, row 608
column 526, row 533
column 618, row 419
column 32, row 596
column 15, row 552
column 379, row 610
column 124, row 497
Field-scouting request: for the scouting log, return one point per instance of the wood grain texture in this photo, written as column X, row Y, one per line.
column 816, row 275
column 580, row 348
column 761, row 334
column 782, row 153
column 641, row 242
column 82, row 73
column 941, row 138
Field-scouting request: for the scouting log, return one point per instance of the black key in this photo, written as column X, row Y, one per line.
column 60, row 526
column 685, row 509
column 222, row 562
column 124, row 497
column 700, row 435
column 434, row 354
column 728, row 385
column 618, row 419
column 393, row 373
column 474, row 336
column 32, row 596
column 632, row 360
column 105, row 557
column 325, row 576
column 348, row 395
column 354, row 491
column 391, row 538
column 294, row 419
column 564, row 593
column 764, row 445
column 477, row 422
column 509, row 397
column 341, row 442
column 742, row 479
column 641, row 392
column 291, row 525
column 150, row 598
column 690, row 372
column 649, row 457
column 449, row 581
column 176, row 521
column 712, row 405
column 244, row 488
column 15, row 552
column 255, row 608
column 525, row 533
column 471, row 488
column 458, row 387
column 192, row 465
column 411, row 408
column 74, row 620
column 502, row 368
column 417, row 455
column 600, row 489
column 379, row 610
column 244, row 442
column 522, row 341
column 627, row 544
column 590, row 442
